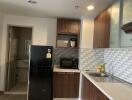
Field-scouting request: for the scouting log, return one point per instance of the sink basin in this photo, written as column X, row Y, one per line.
column 105, row 78
column 98, row 74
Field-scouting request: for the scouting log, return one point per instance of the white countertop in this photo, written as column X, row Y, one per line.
column 114, row 91
column 58, row 69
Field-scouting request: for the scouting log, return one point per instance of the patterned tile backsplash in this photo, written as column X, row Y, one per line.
column 118, row 61
column 64, row 52
column 90, row 58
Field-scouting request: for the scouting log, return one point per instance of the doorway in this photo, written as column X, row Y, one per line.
column 19, row 39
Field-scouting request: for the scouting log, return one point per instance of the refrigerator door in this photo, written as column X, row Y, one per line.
column 40, row 75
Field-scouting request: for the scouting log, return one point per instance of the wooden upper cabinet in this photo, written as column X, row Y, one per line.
column 102, row 30
column 68, row 26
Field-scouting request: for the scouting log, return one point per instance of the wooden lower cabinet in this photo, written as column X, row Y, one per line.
column 66, row 85
column 91, row 92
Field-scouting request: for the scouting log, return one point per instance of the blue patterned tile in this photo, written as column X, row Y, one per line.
column 118, row 61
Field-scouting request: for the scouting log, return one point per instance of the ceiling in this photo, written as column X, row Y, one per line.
column 54, row 8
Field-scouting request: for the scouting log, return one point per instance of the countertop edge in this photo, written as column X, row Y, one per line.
column 57, row 69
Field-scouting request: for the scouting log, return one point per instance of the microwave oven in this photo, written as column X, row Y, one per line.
column 69, row 63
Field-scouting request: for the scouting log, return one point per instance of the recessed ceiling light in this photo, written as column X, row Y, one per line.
column 32, row 1
column 90, row 7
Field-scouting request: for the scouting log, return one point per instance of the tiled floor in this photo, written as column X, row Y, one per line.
column 16, row 93
column 13, row 97
column 19, row 87
column 24, row 97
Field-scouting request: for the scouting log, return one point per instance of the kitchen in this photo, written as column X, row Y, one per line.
column 99, row 40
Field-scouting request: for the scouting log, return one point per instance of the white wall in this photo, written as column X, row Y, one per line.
column 1, row 28
column 86, row 39
column 127, row 15
column 118, row 38
column 87, row 32
column 126, row 39
column 51, row 30
column 44, row 32
column 115, row 23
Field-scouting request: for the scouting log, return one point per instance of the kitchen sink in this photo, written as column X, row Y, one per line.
column 103, row 78
column 98, row 74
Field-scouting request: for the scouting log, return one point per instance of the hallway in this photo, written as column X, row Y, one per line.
column 19, row 87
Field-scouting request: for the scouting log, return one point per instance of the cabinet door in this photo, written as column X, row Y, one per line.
column 76, row 85
column 88, row 90
column 68, row 26
column 100, row 95
column 84, row 89
column 62, row 26
column 91, row 92
column 66, row 85
column 102, row 30
column 57, row 84
column 74, row 27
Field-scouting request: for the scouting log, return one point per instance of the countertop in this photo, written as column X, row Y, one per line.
column 114, row 89
column 58, row 69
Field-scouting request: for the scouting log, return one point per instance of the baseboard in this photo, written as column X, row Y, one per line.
column 16, row 93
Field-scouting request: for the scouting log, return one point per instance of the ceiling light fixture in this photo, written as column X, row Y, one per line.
column 90, row 7
column 32, row 1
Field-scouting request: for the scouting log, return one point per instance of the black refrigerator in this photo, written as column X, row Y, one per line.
column 40, row 73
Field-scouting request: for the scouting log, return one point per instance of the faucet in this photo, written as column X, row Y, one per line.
column 110, row 68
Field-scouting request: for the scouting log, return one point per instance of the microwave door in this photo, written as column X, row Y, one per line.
column 66, row 64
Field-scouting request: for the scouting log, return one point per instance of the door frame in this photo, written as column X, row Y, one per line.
column 7, row 50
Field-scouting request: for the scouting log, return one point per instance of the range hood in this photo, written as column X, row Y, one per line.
column 127, row 27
